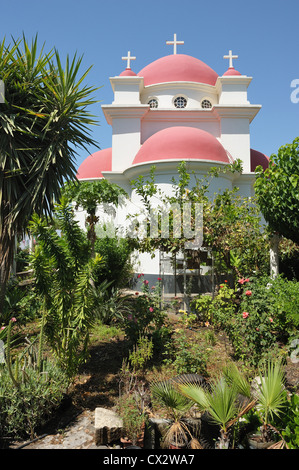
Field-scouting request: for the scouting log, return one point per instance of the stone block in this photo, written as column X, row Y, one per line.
column 108, row 426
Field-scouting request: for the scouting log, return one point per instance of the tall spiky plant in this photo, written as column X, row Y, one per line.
column 63, row 270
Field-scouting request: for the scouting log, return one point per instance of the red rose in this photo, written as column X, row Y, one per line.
column 248, row 292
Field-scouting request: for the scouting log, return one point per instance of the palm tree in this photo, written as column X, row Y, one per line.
column 43, row 120
column 176, row 405
column 271, row 396
column 220, row 400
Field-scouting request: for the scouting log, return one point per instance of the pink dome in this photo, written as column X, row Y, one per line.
column 257, row 158
column 93, row 165
column 181, row 143
column 231, row 71
column 178, row 68
column 128, row 73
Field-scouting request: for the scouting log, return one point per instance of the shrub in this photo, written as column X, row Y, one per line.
column 267, row 315
column 27, row 407
column 188, row 357
column 147, row 315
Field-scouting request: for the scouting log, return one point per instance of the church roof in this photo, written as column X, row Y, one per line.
column 181, row 143
column 173, row 143
column 178, row 68
column 95, row 163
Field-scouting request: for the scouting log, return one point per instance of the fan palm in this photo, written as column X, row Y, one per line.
column 271, row 396
column 176, row 406
column 219, row 401
column 43, row 120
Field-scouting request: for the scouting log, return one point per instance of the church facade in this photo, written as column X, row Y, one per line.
column 175, row 109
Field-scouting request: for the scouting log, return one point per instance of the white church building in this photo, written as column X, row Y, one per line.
column 175, row 109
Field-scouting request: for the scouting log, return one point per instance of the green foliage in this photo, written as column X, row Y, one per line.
column 220, row 402
column 133, row 418
column 147, row 315
column 268, row 313
column 141, row 354
column 290, row 422
column 187, row 356
column 271, row 397
column 116, row 267
column 64, row 279
column 31, row 387
column 277, row 190
column 43, row 122
column 26, row 408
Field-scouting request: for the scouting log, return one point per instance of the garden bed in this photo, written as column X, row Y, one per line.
column 97, row 384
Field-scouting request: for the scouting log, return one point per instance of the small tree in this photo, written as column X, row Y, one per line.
column 89, row 195
column 277, row 191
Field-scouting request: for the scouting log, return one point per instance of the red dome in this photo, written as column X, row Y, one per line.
column 258, row 158
column 231, row 71
column 178, row 68
column 93, row 165
column 181, row 143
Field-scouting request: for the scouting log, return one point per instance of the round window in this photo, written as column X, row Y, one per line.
column 180, row 102
column 206, row 104
column 153, row 103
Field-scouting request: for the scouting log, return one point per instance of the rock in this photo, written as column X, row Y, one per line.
column 108, row 426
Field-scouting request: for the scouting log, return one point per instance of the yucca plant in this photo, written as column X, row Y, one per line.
column 176, row 406
column 43, row 120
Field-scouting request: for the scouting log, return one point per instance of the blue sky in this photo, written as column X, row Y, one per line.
column 263, row 33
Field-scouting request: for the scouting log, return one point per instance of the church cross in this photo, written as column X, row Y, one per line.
column 128, row 59
column 174, row 43
column 230, row 56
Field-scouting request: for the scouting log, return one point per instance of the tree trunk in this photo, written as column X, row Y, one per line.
column 274, row 261
column 7, row 248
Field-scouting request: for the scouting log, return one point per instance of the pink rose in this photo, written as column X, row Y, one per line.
column 13, row 319
column 248, row 292
column 145, row 282
column 241, row 281
column 245, row 314
column 151, row 309
column 271, row 320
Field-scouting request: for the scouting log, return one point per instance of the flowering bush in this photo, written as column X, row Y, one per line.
column 265, row 317
column 147, row 315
